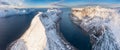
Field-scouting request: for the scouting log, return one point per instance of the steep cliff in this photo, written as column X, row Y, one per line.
column 102, row 25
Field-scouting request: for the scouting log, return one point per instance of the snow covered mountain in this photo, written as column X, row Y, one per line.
column 102, row 24
column 43, row 34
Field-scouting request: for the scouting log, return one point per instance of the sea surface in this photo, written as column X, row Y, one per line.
column 72, row 32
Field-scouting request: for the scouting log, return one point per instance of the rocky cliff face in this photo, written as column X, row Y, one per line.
column 102, row 25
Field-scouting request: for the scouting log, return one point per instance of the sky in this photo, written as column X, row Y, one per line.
column 66, row 3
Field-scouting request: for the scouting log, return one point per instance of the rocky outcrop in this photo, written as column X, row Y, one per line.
column 100, row 24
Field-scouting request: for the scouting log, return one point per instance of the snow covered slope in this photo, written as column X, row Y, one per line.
column 102, row 24
column 33, row 39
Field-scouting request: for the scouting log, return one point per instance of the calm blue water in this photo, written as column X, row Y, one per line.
column 72, row 33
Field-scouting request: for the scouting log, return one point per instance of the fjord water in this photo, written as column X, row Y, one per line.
column 72, row 33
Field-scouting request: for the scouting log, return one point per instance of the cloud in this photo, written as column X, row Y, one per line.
column 58, row 3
